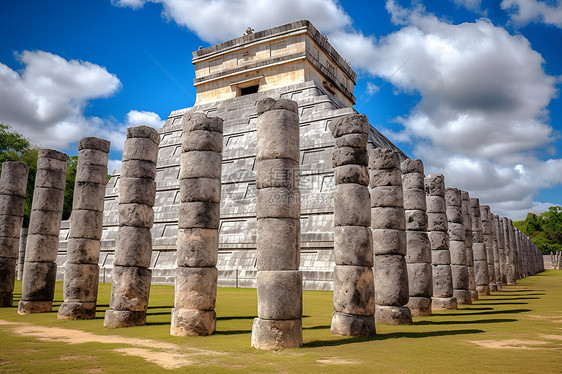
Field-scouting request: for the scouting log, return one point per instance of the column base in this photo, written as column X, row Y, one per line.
column 463, row 297
column 474, row 295
column 483, row 290
column 77, row 310
column 499, row 286
column 443, row 303
column 493, row 287
column 352, row 325
column 30, row 307
column 419, row 306
column 6, row 299
column 272, row 335
column 124, row 318
column 393, row 315
column 187, row 322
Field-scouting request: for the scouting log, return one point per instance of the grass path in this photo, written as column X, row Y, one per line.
column 518, row 330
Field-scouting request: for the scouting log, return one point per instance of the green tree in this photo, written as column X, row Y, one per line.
column 545, row 230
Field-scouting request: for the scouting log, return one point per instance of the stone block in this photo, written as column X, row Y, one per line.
column 414, row 200
column 418, row 247
column 387, row 196
column 144, row 132
column 420, row 280
column 410, row 166
column 416, row 220
column 352, row 325
column 388, row 218
column 351, row 205
column 193, row 322
column 138, row 169
column 201, row 140
column 352, row 140
column 130, row 289
column 269, row 104
column 39, row 281
column 277, row 173
column 458, row 253
column 439, row 240
column 12, row 205
column 124, row 318
column 200, row 164
column 41, row 248
column 440, row 257
column 199, row 215
column 133, row 247
column 9, row 247
column 48, row 199
column 200, row 121
column 391, row 280
column 196, row 288
column 479, row 252
column 382, row 158
column 140, row 149
column 278, row 135
column 81, row 282
column 456, row 231
column 442, row 281
column 435, row 185
column 481, row 273
column 393, row 315
column 437, row 222
column 454, row 215
column 13, row 180
column 353, row 246
column 463, row 297
column 94, row 157
column 419, row 306
column 136, row 215
column 278, row 202
column 87, row 224
column 77, row 310
column 453, row 197
column 94, row 143
column 413, row 181
column 41, row 222
column 7, row 275
column 198, row 247
column 350, row 124
column 272, row 335
column 443, row 303
column 385, row 177
column 354, row 290
column 83, row 251
column 278, row 240
column 279, row 294
column 10, row 226
column 200, row 189
column 386, row 242
column 460, row 277
column 30, row 307
column 351, row 174
column 137, row 191
column 51, row 159
column 88, row 196
column 86, row 172
column 435, row 204
column 50, row 179
column 349, row 156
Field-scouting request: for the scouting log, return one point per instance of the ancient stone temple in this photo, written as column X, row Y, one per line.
column 292, row 61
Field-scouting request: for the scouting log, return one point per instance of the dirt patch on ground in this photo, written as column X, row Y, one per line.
column 552, row 337
column 336, row 361
column 515, row 344
column 166, row 355
column 77, row 358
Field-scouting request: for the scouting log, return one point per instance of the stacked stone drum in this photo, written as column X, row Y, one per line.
column 479, row 249
column 486, row 217
column 467, row 221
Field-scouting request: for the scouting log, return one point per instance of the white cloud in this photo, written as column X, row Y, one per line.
column 372, row 88
column 141, row 117
column 113, row 165
column 526, row 11
column 473, row 5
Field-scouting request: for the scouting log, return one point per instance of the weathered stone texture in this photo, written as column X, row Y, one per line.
column 479, row 249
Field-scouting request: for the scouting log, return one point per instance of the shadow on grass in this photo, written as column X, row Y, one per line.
column 160, row 307
column 235, row 317
column 319, row 327
column 500, row 303
column 232, row 332
column 493, row 320
column 513, row 298
column 470, row 308
column 510, row 311
column 394, row 335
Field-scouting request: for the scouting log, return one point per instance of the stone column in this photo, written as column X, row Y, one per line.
column 489, row 243
column 13, row 185
column 354, row 288
column 279, row 282
column 86, row 223
column 511, row 254
column 418, row 256
column 137, row 191
column 518, row 256
column 479, row 249
column 40, row 269
column 457, row 246
column 198, row 230
column 507, row 251
column 388, row 222
column 437, row 227
column 497, row 244
column 21, row 256
column 467, row 222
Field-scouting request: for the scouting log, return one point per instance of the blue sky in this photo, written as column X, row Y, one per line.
column 469, row 86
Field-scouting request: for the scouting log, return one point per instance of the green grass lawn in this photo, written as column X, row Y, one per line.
column 518, row 330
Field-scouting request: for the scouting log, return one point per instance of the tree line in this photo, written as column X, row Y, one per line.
column 545, row 229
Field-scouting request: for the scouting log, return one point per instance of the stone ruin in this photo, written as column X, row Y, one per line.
column 271, row 180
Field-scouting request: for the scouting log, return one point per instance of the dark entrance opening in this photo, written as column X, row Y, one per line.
column 249, row 90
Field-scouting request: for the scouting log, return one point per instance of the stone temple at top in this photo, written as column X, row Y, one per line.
column 293, row 61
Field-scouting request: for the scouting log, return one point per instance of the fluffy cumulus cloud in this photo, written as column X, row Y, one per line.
column 525, row 11
column 45, row 101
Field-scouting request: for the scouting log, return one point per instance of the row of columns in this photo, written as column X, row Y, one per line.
column 432, row 247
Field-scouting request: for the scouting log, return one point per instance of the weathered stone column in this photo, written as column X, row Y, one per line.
column 510, row 253
column 354, row 287
column 279, row 282
column 137, row 191
column 21, row 256
column 467, row 222
column 497, row 244
column 503, row 251
column 86, row 223
column 489, row 243
column 388, row 222
column 437, row 227
column 13, row 185
column 418, row 256
column 457, row 246
column 518, row 257
column 198, row 230
column 40, row 269
column 479, row 249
